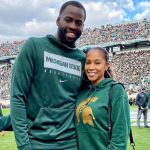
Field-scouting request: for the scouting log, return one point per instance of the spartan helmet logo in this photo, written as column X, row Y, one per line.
column 87, row 113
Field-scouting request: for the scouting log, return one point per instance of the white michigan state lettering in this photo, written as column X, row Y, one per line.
column 61, row 63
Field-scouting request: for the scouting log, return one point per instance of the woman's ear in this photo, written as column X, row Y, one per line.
column 107, row 66
column 57, row 21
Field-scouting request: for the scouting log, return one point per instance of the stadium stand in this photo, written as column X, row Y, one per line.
column 115, row 34
column 5, row 76
column 10, row 48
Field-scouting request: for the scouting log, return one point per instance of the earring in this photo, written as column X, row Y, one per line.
column 108, row 74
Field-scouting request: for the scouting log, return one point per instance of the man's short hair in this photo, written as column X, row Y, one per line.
column 73, row 3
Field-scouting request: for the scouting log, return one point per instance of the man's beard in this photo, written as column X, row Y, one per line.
column 69, row 42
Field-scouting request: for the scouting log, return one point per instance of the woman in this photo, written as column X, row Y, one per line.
column 92, row 107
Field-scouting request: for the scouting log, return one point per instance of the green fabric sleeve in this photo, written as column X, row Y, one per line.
column 120, row 119
column 1, row 114
column 5, row 123
column 22, row 74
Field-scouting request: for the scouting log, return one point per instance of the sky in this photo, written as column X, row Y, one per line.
column 21, row 19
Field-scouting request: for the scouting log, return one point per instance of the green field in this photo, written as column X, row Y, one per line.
column 141, row 137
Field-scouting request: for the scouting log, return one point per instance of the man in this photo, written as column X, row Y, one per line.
column 45, row 81
column 142, row 103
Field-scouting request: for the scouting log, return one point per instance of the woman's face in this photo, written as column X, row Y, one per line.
column 95, row 65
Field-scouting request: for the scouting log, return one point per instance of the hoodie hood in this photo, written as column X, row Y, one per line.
column 102, row 84
column 107, row 82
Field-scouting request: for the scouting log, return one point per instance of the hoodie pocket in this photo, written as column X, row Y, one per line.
column 52, row 123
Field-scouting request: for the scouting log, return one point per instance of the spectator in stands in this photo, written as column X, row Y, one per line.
column 45, row 82
column 142, row 103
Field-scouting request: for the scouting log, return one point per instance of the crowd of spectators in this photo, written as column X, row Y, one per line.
column 5, row 76
column 128, row 66
column 107, row 34
column 10, row 48
column 131, row 66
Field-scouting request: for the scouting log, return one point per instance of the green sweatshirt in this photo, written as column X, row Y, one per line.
column 45, row 81
column 92, row 117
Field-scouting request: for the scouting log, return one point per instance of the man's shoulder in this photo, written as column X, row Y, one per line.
column 35, row 41
column 81, row 52
column 141, row 94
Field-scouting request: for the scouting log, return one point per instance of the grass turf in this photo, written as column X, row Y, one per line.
column 141, row 138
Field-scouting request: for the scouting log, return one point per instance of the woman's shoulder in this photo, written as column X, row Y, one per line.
column 118, row 88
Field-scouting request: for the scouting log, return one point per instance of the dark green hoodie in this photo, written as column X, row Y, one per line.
column 45, row 81
column 92, row 118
